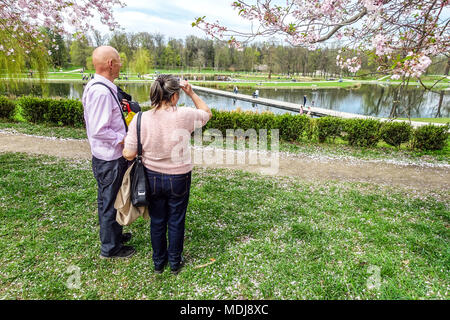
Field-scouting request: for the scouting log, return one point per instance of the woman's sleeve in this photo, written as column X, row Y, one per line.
column 199, row 118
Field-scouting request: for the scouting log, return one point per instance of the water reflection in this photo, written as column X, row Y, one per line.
column 373, row 100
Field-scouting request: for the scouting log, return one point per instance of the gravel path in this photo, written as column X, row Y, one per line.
column 422, row 177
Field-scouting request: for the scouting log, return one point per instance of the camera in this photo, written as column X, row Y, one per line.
column 134, row 106
column 182, row 83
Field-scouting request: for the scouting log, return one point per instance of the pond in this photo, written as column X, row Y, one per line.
column 371, row 100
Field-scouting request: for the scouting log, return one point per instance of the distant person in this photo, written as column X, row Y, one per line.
column 256, row 93
column 106, row 131
column 165, row 136
column 301, row 109
column 236, row 90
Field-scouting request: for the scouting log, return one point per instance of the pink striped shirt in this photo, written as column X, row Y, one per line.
column 166, row 137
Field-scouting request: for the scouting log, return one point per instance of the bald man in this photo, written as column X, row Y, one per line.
column 106, row 131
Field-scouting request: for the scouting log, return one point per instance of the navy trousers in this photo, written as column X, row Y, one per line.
column 169, row 197
column 109, row 176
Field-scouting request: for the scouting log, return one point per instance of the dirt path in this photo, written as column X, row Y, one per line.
column 419, row 177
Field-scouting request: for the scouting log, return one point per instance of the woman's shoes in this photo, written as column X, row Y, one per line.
column 161, row 268
column 178, row 269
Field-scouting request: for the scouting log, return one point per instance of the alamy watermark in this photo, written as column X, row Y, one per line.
column 236, row 147
column 74, row 280
column 374, row 281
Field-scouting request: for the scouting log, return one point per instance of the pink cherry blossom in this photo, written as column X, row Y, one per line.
column 22, row 19
column 388, row 28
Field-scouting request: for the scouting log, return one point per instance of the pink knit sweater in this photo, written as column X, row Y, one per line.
column 165, row 138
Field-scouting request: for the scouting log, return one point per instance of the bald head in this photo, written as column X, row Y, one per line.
column 106, row 61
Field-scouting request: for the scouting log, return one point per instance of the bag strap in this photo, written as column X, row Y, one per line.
column 138, row 128
column 117, row 100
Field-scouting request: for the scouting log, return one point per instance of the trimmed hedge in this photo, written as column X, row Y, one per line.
column 7, row 108
column 63, row 112
column 396, row 133
column 293, row 128
column 329, row 127
column 362, row 132
column 430, row 137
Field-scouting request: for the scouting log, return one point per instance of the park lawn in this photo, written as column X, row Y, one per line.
column 242, row 80
column 44, row 130
column 274, row 85
column 429, row 120
column 271, row 238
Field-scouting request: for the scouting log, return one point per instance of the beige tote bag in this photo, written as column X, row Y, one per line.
column 126, row 212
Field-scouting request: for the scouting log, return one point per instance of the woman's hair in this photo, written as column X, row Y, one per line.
column 162, row 90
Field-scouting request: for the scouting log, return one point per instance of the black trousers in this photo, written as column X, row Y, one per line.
column 109, row 176
column 168, row 205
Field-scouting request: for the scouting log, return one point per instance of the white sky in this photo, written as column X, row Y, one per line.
column 173, row 18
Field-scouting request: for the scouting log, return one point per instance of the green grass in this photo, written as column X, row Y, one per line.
column 272, row 238
column 274, row 85
column 251, row 80
column 46, row 130
column 429, row 120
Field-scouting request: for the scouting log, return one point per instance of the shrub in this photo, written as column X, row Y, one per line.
column 59, row 112
column 430, row 137
column 328, row 127
column 7, row 108
column 292, row 127
column 221, row 121
column 66, row 113
column 34, row 109
column 362, row 132
column 395, row 133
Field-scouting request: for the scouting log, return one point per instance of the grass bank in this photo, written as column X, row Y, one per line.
column 271, row 238
column 274, row 85
column 428, row 120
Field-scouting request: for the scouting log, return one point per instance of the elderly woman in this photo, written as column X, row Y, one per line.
column 165, row 138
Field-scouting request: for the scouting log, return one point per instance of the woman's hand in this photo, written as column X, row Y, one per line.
column 187, row 88
column 129, row 155
column 199, row 103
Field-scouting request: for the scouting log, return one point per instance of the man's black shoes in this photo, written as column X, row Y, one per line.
column 124, row 253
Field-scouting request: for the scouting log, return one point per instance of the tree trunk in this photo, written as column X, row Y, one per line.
column 393, row 113
column 379, row 101
column 441, row 97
